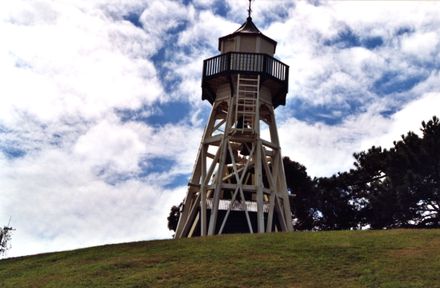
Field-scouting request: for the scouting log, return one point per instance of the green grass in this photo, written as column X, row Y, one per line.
column 385, row 259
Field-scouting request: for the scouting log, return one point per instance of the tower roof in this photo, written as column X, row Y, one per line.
column 248, row 28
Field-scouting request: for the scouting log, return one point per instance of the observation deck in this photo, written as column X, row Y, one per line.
column 221, row 69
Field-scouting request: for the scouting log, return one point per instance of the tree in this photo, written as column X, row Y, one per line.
column 5, row 237
column 173, row 218
column 429, row 188
column 399, row 187
column 336, row 203
column 376, row 202
column 415, row 176
column 303, row 197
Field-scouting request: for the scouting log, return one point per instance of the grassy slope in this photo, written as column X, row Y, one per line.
column 396, row 258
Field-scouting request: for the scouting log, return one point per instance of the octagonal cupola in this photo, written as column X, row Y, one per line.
column 247, row 39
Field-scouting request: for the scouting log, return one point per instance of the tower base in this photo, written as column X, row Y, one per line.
column 236, row 222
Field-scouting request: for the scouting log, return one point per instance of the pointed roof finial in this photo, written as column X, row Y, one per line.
column 250, row 9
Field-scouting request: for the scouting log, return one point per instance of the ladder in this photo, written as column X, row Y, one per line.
column 248, row 93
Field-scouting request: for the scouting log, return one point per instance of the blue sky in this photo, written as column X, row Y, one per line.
column 101, row 113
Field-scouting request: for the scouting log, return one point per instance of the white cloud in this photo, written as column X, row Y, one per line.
column 205, row 29
column 409, row 118
column 110, row 144
column 161, row 16
column 204, row 3
column 66, row 67
column 262, row 11
column 421, row 45
column 57, row 209
column 79, row 64
column 326, row 149
column 58, row 200
column 177, row 142
column 303, row 35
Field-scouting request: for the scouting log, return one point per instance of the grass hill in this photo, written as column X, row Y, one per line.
column 393, row 258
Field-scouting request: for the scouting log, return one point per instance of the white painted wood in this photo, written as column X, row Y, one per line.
column 221, row 170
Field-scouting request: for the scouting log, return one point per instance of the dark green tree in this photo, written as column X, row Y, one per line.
column 376, row 202
column 414, row 174
column 336, row 203
column 5, row 237
column 303, row 196
column 173, row 218
column 399, row 187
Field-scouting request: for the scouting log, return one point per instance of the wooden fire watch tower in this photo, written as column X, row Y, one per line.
column 238, row 183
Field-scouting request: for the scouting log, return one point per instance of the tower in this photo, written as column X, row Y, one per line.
column 238, row 183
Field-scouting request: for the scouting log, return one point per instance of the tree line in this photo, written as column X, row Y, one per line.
column 397, row 187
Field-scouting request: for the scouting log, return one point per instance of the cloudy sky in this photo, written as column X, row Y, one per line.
column 101, row 116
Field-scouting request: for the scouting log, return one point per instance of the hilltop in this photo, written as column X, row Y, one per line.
column 386, row 258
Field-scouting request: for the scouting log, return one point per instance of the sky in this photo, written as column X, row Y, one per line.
column 101, row 114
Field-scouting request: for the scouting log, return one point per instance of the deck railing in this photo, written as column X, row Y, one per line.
column 237, row 62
